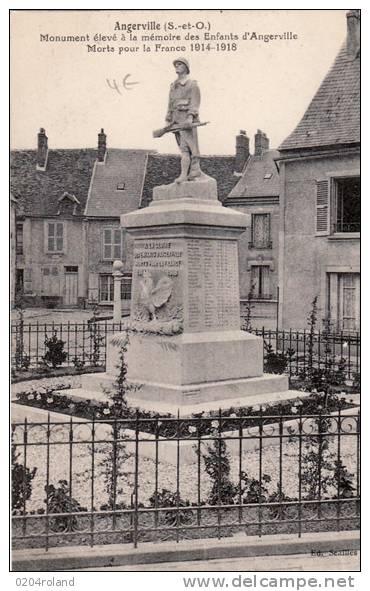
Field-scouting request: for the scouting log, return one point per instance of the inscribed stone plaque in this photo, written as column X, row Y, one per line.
column 213, row 292
column 158, row 265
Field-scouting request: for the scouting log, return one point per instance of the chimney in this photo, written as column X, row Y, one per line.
column 42, row 149
column 261, row 143
column 353, row 33
column 242, row 151
column 102, row 145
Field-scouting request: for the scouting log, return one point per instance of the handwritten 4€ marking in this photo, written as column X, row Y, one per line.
column 125, row 84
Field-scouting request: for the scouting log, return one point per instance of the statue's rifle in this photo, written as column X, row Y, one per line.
column 173, row 128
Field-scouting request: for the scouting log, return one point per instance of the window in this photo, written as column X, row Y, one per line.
column 120, row 186
column 106, row 288
column 55, row 234
column 344, row 300
column 19, row 238
column 346, row 205
column 338, row 205
column 260, row 281
column 260, row 231
column 126, row 287
column 112, row 239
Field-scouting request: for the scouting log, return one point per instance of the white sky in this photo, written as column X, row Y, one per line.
column 64, row 88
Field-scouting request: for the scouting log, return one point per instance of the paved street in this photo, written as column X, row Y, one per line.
column 294, row 562
column 48, row 315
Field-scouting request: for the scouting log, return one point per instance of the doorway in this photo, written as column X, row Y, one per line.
column 71, row 286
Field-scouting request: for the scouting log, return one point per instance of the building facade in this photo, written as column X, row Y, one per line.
column 257, row 195
column 67, row 228
column 51, row 188
column 319, row 245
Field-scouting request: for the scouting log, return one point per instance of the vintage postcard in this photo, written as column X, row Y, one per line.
column 185, row 291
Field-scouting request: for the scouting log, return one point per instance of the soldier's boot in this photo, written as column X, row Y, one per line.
column 185, row 165
column 195, row 170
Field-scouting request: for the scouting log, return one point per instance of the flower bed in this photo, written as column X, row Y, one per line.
column 46, row 398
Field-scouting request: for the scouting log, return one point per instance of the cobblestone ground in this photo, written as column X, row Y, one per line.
column 48, row 315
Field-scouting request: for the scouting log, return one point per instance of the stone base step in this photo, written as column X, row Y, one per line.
column 79, row 394
column 193, row 394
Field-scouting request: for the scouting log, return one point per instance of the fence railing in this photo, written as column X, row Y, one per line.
column 337, row 354
column 153, row 479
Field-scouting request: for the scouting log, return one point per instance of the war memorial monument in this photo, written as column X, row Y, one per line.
column 186, row 346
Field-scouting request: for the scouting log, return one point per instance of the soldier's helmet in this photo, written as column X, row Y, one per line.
column 184, row 61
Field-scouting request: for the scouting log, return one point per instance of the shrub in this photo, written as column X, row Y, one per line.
column 95, row 336
column 247, row 316
column 21, row 481
column 60, row 501
column 79, row 363
column 252, row 491
column 115, row 454
column 55, row 354
column 321, row 471
column 281, row 511
column 22, row 361
column 276, row 362
column 168, row 499
column 312, row 322
column 217, row 465
column 357, row 380
column 343, row 481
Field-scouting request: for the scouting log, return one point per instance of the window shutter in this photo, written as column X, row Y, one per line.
column 322, row 208
column 107, row 244
column 255, row 280
column 117, row 244
column 59, row 236
column 265, row 281
column 93, row 287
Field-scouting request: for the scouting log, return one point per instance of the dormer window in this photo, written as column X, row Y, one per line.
column 69, row 203
column 121, row 186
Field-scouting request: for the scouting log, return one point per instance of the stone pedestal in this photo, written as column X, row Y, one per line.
column 186, row 345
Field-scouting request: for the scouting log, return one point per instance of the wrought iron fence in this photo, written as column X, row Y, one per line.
column 336, row 355
column 83, row 343
column 172, row 478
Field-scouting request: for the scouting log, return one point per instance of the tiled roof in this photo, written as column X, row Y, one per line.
column 253, row 182
column 121, row 167
column 38, row 192
column 333, row 117
column 71, row 171
column 163, row 169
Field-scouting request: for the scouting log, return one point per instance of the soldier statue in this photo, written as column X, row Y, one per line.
column 183, row 119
